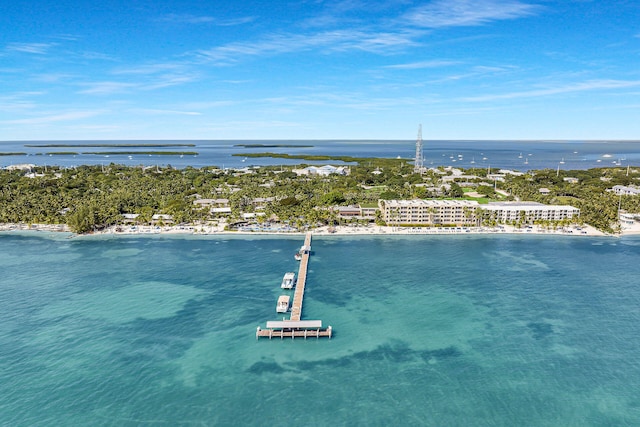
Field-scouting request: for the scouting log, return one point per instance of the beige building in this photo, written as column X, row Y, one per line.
column 356, row 212
column 436, row 212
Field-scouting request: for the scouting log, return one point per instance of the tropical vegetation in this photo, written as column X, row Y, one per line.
column 88, row 198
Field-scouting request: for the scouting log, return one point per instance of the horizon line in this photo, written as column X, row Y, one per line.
column 332, row 140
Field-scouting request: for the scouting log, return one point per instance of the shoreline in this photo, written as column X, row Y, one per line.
column 373, row 230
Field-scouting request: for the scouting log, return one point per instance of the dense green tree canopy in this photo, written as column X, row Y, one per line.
column 93, row 197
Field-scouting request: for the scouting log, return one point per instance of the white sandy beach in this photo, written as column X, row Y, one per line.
column 584, row 230
column 503, row 229
column 630, row 229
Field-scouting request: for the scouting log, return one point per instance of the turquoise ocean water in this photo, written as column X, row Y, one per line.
column 429, row 330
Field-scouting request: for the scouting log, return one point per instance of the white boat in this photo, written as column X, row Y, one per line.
column 283, row 304
column 303, row 250
column 288, row 280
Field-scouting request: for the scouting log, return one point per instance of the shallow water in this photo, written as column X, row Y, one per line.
column 435, row 330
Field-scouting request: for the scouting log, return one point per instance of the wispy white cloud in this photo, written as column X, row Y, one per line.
column 34, row 48
column 253, row 124
column 53, row 118
column 16, row 105
column 344, row 13
column 168, row 80
column 590, row 85
column 19, row 101
column 338, row 40
column 66, row 37
column 209, row 104
column 53, row 77
column 107, row 88
column 492, row 69
column 150, row 68
column 337, row 13
column 194, row 19
column 475, row 72
column 454, row 13
column 97, row 55
column 422, row 64
column 380, row 36
column 153, row 111
column 350, row 101
column 237, row 82
column 116, row 87
column 160, row 75
column 96, row 128
column 21, row 95
column 234, row 22
column 469, row 111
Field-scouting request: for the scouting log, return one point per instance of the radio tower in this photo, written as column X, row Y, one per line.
column 418, row 165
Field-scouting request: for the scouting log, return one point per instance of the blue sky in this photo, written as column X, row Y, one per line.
column 237, row 69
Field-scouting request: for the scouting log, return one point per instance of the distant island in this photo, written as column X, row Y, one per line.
column 272, row 146
column 154, row 153
column 116, row 153
column 105, row 145
column 326, row 158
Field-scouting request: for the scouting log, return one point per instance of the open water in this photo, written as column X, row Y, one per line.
column 483, row 330
column 517, row 155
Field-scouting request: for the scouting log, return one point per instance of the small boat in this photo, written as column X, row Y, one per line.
column 303, row 250
column 288, row 280
column 283, row 304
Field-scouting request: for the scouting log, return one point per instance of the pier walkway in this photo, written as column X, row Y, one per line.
column 295, row 327
column 298, row 296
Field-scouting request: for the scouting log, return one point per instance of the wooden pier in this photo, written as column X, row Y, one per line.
column 294, row 327
column 298, row 296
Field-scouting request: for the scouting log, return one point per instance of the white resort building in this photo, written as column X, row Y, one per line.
column 625, row 190
column 505, row 212
column 325, row 170
column 466, row 212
